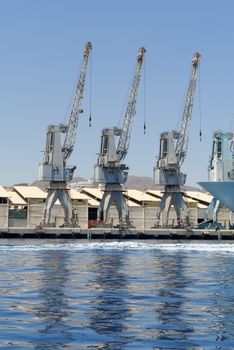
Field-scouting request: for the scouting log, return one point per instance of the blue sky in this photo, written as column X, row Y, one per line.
column 41, row 49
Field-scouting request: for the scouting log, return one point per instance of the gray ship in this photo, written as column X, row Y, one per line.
column 221, row 171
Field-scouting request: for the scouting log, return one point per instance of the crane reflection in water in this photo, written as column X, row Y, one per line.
column 171, row 282
column 54, row 309
column 110, row 311
column 191, row 294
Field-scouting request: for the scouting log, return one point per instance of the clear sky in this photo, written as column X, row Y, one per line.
column 41, row 49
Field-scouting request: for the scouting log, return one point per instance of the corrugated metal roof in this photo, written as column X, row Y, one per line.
column 30, row 192
column 15, row 199
column 205, row 197
column 93, row 202
column 3, row 192
column 189, row 200
column 131, row 203
column 155, row 193
column 201, row 206
column 77, row 195
column 139, row 196
column 193, row 195
column 95, row 192
column 37, row 193
column 98, row 193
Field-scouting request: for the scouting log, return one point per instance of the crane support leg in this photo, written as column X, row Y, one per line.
column 113, row 196
column 164, row 209
column 104, row 207
column 217, row 207
column 175, row 199
column 49, row 204
column 181, row 209
column 65, row 201
column 62, row 195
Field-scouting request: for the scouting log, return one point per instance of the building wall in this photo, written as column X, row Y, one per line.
column 57, row 216
column 136, row 217
column 150, row 217
column 231, row 218
column 82, row 211
column 140, row 217
column 201, row 213
column 225, row 217
column 113, row 216
column 193, row 216
column 17, row 222
column 145, row 218
column 3, row 215
column 172, row 219
column 35, row 214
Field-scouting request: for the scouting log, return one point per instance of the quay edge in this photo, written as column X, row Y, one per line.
column 114, row 233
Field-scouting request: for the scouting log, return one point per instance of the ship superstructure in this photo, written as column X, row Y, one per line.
column 221, row 172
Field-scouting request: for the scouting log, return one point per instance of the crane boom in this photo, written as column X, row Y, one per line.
column 182, row 143
column 71, row 128
column 126, row 129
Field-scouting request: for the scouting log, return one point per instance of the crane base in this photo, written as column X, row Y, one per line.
column 58, row 191
column 173, row 197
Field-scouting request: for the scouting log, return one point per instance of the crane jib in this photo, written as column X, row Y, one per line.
column 124, row 139
column 182, row 143
column 70, row 135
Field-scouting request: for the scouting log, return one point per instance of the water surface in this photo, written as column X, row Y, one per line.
column 116, row 295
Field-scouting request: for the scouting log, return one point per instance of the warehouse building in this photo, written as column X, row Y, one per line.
column 22, row 206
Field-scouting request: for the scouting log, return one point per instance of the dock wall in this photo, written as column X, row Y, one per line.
column 141, row 217
column 111, row 233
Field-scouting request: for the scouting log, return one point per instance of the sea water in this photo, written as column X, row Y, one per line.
column 116, row 295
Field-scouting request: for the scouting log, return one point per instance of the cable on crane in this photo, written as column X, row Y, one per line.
column 90, row 92
column 199, row 99
column 144, row 104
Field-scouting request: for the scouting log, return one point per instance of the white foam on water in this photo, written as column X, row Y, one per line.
column 217, row 247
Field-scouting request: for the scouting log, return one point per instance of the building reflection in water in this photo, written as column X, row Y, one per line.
column 53, row 308
column 110, row 311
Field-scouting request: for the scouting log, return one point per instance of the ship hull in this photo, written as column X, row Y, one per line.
column 222, row 191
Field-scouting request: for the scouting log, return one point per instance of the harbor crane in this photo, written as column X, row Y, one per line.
column 53, row 167
column 110, row 172
column 172, row 153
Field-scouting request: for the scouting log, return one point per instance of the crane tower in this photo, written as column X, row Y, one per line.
column 53, row 167
column 110, row 172
column 172, row 153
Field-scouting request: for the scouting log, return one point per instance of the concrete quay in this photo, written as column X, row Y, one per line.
column 115, row 233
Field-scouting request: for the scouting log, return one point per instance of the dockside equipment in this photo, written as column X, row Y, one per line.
column 54, row 167
column 172, row 153
column 109, row 171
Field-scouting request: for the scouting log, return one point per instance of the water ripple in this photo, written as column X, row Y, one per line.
column 35, row 245
column 116, row 295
